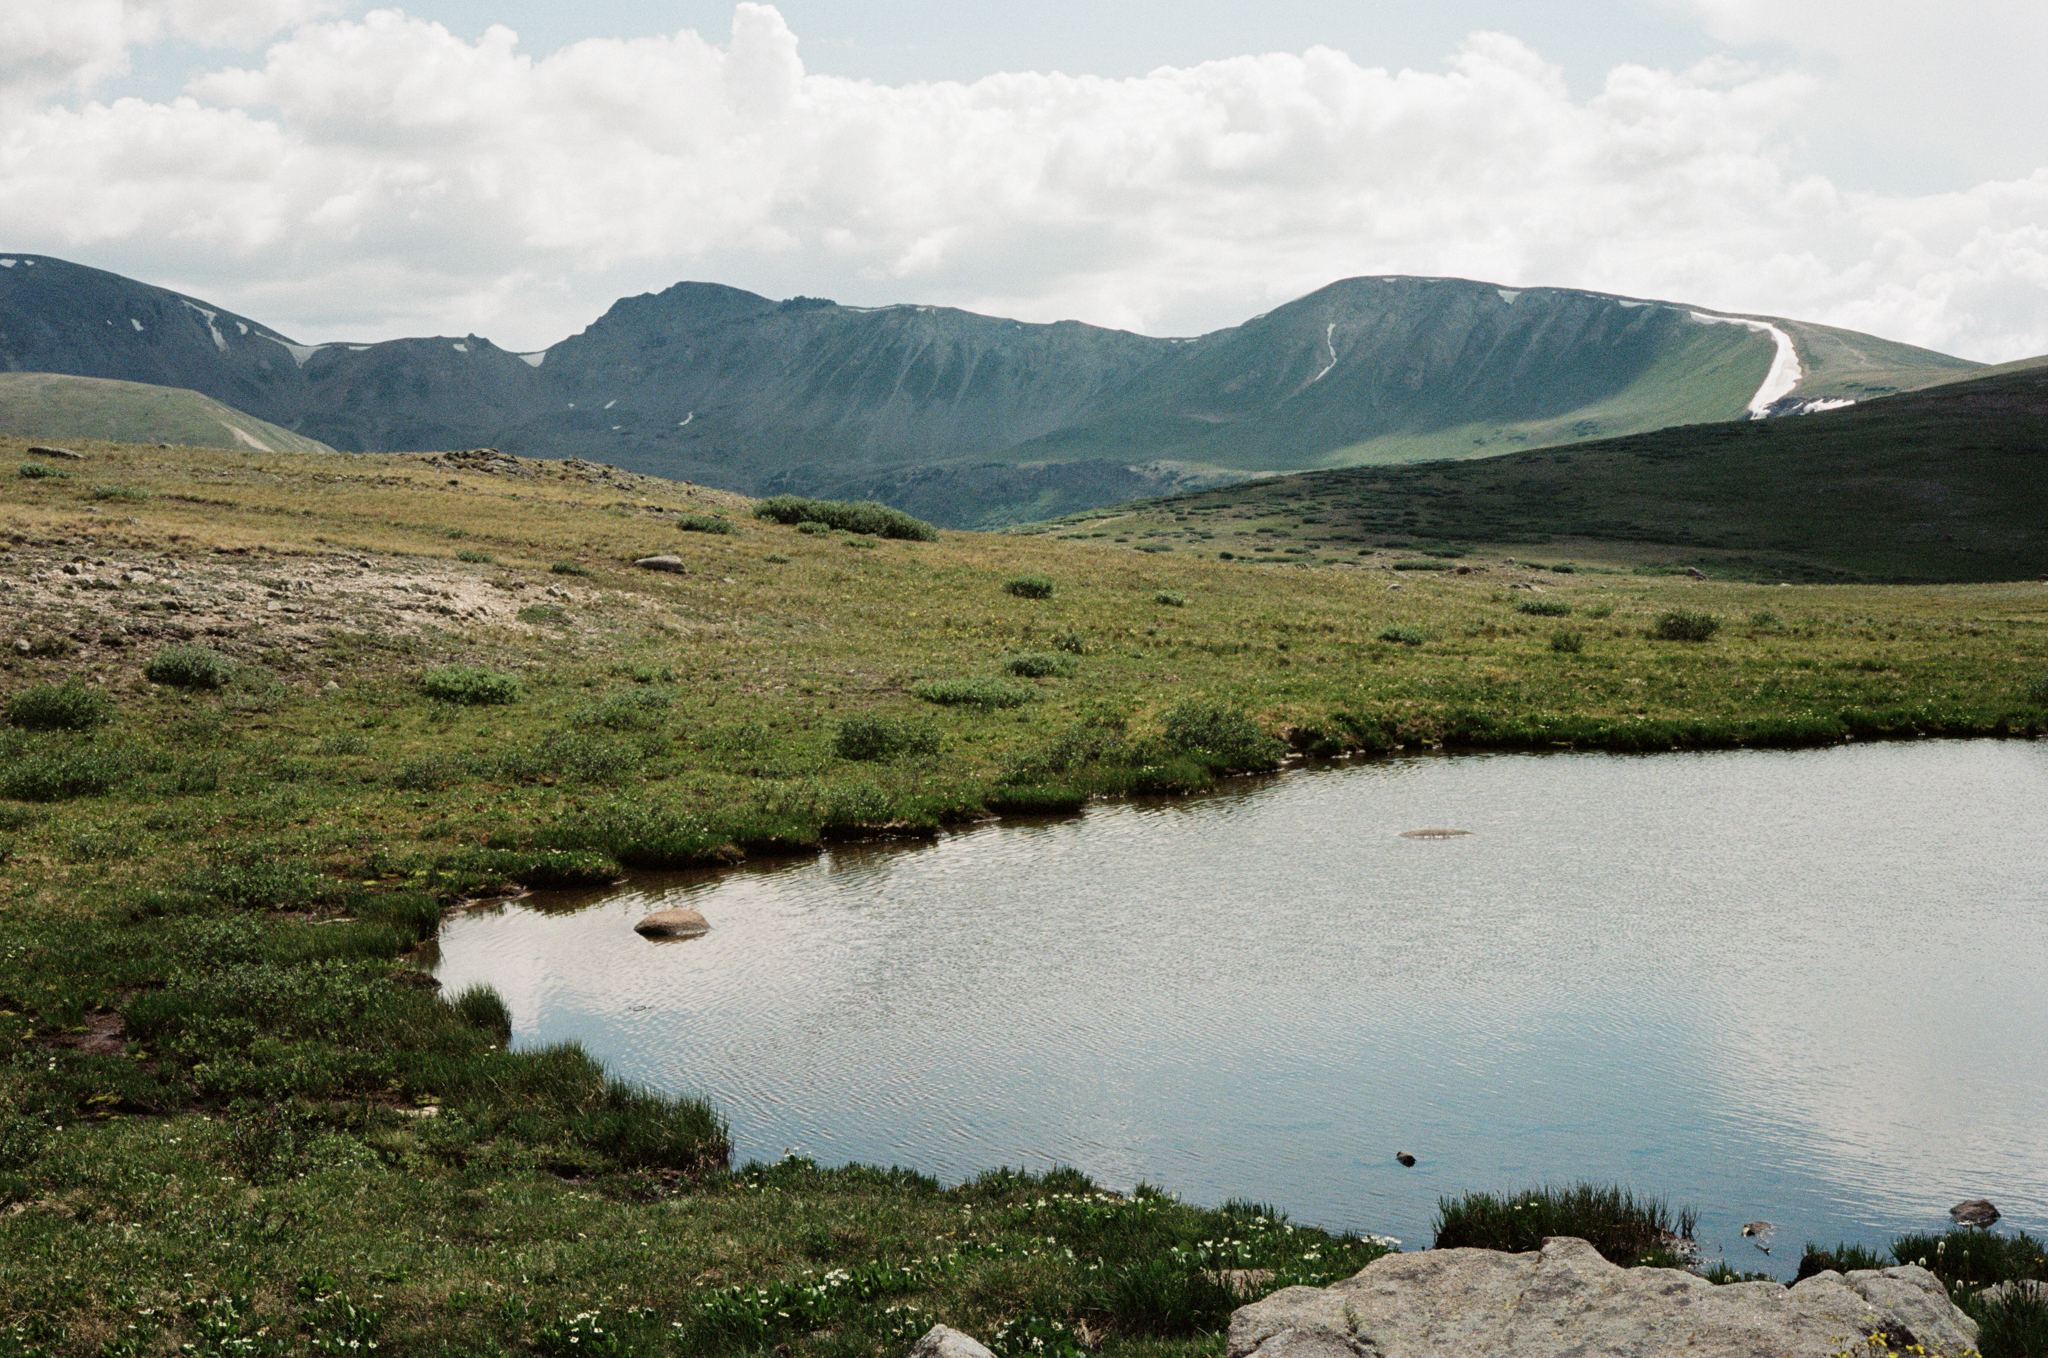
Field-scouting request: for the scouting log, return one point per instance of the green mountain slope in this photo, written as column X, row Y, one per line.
column 56, row 406
column 1949, row 483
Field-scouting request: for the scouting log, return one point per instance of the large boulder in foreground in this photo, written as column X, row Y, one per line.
column 1566, row 1300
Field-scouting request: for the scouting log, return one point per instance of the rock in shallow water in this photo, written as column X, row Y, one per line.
column 672, row 924
column 1566, row 1300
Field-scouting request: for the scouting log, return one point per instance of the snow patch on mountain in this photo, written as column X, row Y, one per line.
column 1785, row 370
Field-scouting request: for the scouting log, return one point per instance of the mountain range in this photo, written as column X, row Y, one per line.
column 975, row 420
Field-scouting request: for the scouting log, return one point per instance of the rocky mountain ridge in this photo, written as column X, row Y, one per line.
column 973, row 419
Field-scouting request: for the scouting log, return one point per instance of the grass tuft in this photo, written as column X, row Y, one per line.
column 1543, row 608
column 1040, row 665
column 1404, row 635
column 1627, row 1230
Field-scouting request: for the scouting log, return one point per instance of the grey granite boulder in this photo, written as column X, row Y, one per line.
column 940, row 1342
column 1566, row 1300
column 675, row 565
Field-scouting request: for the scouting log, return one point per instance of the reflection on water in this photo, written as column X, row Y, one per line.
column 1806, row 986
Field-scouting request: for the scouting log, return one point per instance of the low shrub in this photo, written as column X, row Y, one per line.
column 60, row 707
column 568, row 568
column 1039, row 665
column 1220, row 736
column 1543, row 608
column 1600, row 611
column 469, row 686
column 987, row 694
column 37, row 471
column 776, row 558
column 1071, row 642
column 862, row 516
column 1625, row 1229
column 189, row 665
column 1567, row 641
column 1029, row 587
column 1685, row 625
column 705, row 523
column 1405, row 635
column 543, row 615
column 1170, row 600
column 475, row 557
column 126, row 494
column 872, row 739
column 813, row 527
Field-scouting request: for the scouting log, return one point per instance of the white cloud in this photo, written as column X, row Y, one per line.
column 54, row 45
column 383, row 176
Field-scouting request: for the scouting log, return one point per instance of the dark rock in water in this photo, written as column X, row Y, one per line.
column 1976, row 1212
column 1407, row 1160
column 673, row 564
column 1566, row 1300
column 1433, row 833
column 672, row 924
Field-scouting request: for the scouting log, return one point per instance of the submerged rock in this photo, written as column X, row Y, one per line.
column 672, row 924
column 1566, row 1300
column 1976, row 1212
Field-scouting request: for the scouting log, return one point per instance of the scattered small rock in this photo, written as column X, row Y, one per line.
column 942, row 1342
column 663, row 563
column 1976, row 1212
column 672, row 924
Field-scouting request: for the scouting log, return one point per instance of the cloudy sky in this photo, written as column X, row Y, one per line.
column 509, row 167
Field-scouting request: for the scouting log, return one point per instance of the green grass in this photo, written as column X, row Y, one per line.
column 470, row 686
column 986, row 694
column 1627, row 1230
column 69, row 706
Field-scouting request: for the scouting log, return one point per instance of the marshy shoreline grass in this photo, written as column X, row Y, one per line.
column 270, row 716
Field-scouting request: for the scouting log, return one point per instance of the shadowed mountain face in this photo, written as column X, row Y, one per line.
column 974, row 419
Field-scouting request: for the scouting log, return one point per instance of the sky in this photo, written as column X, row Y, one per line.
column 509, row 168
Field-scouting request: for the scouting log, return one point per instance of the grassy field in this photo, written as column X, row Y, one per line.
column 1944, row 484
column 269, row 716
column 55, row 407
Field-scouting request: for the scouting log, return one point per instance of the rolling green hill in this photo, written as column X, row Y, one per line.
column 1949, row 483
column 55, row 406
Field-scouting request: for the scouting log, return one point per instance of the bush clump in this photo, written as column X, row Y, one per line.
column 851, row 516
column 1040, row 665
column 1170, row 600
column 476, row 558
column 189, row 665
column 568, row 568
column 1221, row 736
column 705, row 523
column 1625, row 1229
column 1543, row 608
column 37, row 471
column 469, row 686
column 1567, row 641
column 1029, row 587
column 126, row 494
column 60, row 707
column 1405, row 635
column 1071, row 642
column 986, row 694
column 871, row 739
column 1685, row 625
column 60, row 775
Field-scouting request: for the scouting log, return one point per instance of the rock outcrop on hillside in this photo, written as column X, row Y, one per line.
column 1566, row 1300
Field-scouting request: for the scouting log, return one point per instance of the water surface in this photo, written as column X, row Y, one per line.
column 1810, row 987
